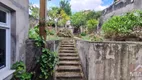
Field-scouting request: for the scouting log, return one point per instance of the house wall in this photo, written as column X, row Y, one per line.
column 111, row 60
column 19, row 26
column 120, row 8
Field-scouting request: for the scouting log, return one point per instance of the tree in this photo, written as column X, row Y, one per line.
column 91, row 25
column 65, row 5
column 54, row 15
column 93, row 15
column 34, row 11
column 58, row 16
column 78, row 19
column 63, row 18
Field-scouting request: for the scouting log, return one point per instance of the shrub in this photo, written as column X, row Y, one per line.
column 122, row 26
column 52, row 32
column 34, row 32
column 91, row 25
column 47, row 61
column 83, row 34
column 20, row 73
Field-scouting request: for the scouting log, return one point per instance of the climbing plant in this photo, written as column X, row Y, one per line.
column 48, row 59
column 20, row 73
column 47, row 63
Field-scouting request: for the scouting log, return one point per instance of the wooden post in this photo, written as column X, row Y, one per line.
column 42, row 20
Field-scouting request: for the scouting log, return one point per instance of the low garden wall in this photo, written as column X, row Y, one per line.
column 111, row 60
column 33, row 52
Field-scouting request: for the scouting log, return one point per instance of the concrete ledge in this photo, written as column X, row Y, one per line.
column 111, row 60
column 6, row 74
column 110, row 42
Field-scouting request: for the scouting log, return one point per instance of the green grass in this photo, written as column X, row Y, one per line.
column 52, row 37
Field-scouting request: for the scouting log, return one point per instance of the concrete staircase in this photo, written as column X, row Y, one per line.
column 69, row 67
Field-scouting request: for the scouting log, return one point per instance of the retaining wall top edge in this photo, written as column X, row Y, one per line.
column 112, row 42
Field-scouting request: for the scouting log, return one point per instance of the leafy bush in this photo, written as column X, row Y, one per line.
column 96, row 38
column 50, row 23
column 92, row 37
column 20, row 73
column 122, row 26
column 78, row 19
column 91, row 25
column 34, row 32
column 51, row 32
column 83, row 34
column 47, row 61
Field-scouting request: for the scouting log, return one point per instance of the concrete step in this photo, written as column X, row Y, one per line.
column 67, row 43
column 67, row 46
column 69, row 63
column 68, row 69
column 69, row 76
column 68, row 55
column 69, row 58
column 67, row 51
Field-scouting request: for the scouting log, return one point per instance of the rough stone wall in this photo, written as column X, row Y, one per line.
column 120, row 8
column 19, row 26
column 33, row 52
column 111, row 60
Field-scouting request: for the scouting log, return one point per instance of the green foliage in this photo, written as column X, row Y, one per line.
column 91, row 25
column 34, row 10
column 96, row 38
column 92, row 37
column 39, row 41
column 34, row 32
column 81, row 18
column 63, row 18
column 78, row 19
column 47, row 61
column 65, row 5
column 50, row 23
column 51, row 32
column 93, row 15
column 54, row 13
column 83, row 34
column 122, row 25
column 20, row 73
column 58, row 16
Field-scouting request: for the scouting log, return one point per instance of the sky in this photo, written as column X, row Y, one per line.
column 79, row 5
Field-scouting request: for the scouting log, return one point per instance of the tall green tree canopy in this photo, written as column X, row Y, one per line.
column 93, row 15
column 59, row 15
column 34, row 11
column 54, row 13
column 65, row 5
column 78, row 19
column 91, row 25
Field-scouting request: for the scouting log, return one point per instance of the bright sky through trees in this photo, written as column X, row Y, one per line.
column 79, row 5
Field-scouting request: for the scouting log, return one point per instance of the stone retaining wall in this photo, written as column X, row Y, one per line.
column 120, row 8
column 111, row 60
column 33, row 52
